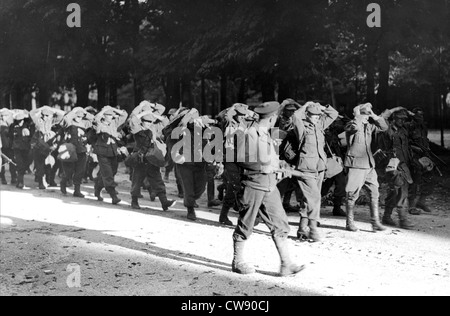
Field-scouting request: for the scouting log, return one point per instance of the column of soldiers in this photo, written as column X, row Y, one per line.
column 258, row 186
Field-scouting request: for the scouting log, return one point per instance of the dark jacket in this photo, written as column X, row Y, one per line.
column 19, row 141
column 106, row 146
column 77, row 136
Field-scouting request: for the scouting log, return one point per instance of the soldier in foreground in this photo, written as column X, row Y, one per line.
column 261, row 196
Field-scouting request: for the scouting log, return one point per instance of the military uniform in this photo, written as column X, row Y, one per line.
column 76, row 134
column 261, row 196
column 423, row 184
column 44, row 139
column 312, row 162
column 235, row 120
column 21, row 144
column 361, row 164
column 6, row 120
column 289, row 185
column 332, row 139
column 397, row 139
column 144, row 140
column 106, row 148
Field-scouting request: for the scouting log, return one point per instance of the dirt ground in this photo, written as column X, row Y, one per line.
column 46, row 240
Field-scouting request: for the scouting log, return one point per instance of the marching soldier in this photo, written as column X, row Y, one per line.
column 310, row 124
column 146, row 126
column 77, row 122
column 262, row 197
column 6, row 120
column 396, row 138
column 192, row 171
column 361, row 164
column 334, row 146
column 422, row 186
column 44, row 138
column 21, row 131
column 107, row 124
column 234, row 120
column 289, row 185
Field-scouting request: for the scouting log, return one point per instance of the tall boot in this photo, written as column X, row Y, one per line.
column 287, row 266
column 191, row 214
column 165, row 203
column 3, row 178
column 63, row 186
column 303, row 230
column 413, row 209
column 350, row 225
column 313, row 231
column 387, row 217
column 135, row 203
column 41, row 184
column 421, row 204
column 77, row 193
column 239, row 265
column 375, row 217
column 20, row 185
column 113, row 193
column 337, row 210
column 223, row 218
column 98, row 192
column 405, row 223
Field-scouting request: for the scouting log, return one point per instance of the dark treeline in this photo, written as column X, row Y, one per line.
column 210, row 54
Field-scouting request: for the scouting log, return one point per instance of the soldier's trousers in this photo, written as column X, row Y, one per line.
column 39, row 165
column 397, row 196
column 23, row 162
column 233, row 189
column 286, row 187
column 193, row 177
column 75, row 170
column 339, row 182
column 311, row 185
column 153, row 174
column 357, row 179
column 422, row 186
column 8, row 152
column 108, row 170
column 211, row 185
column 269, row 206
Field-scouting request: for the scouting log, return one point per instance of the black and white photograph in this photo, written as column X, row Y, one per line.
column 224, row 153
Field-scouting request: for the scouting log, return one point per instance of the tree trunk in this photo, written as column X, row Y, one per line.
column 171, row 86
column 268, row 87
column 370, row 69
column 205, row 108
column 138, row 91
column 284, row 90
column 223, row 92
column 382, row 96
column 242, row 92
column 113, row 93
column 43, row 95
column 186, row 92
column 82, row 88
column 101, row 93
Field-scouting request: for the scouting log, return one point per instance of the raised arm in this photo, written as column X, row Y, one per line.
column 329, row 116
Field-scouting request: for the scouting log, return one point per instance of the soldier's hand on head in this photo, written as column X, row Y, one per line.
column 25, row 132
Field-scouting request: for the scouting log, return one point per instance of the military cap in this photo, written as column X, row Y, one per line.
column 402, row 114
column 313, row 108
column 267, row 109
